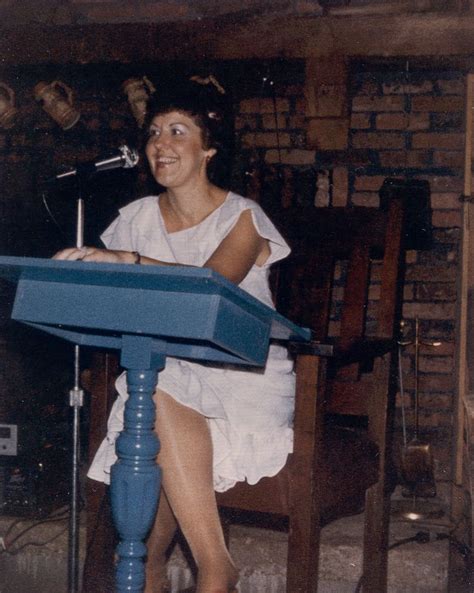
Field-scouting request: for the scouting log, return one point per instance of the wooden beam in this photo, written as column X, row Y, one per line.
column 464, row 375
column 259, row 38
column 326, row 88
column 159, row 11
column 408, row 35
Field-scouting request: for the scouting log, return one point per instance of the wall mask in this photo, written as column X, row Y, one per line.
column 56, row 98
column 8, row 110
column 138, row 91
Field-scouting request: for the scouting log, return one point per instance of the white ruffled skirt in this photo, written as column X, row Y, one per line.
column 250, row 414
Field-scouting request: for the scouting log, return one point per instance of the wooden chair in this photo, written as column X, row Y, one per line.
column 332, row 467
column 344, row 401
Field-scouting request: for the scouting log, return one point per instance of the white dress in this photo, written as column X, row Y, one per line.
column 249, row 411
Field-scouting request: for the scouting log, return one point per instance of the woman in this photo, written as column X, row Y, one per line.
column 217, row 425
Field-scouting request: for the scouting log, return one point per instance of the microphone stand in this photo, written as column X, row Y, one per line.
column 76, row 400
column 128, row 158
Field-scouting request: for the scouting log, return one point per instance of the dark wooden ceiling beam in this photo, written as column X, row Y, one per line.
column 71, row 12
column 74, row 12
column 262, row 38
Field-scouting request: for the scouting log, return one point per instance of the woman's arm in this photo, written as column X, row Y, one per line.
column 239, row 251
column 233, row 258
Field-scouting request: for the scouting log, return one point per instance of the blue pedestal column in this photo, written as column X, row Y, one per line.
column 136, row 477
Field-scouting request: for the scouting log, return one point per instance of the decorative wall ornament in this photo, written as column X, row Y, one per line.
column 211, row 79
column 323, row 189
column 138, row 91
column 8, row 110
column 58, row 103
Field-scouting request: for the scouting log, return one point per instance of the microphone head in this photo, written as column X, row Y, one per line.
column 130, row 156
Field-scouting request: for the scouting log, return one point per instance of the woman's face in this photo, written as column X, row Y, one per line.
column 175, row 151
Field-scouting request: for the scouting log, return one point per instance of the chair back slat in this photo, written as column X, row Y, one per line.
column 304, row 290
column 339, row 257
column 355, row 295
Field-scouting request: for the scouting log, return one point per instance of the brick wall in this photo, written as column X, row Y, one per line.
column 401, row 125
column 414, row 126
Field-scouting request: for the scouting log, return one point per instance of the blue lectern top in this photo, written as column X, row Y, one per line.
column 195, row 312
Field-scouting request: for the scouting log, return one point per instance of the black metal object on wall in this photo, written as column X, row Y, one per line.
column 418, row 227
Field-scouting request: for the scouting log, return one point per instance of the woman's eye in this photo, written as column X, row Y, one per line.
column 177, row 131
column 153, row 132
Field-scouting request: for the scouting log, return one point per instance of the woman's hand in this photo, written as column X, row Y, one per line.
column 96, row 255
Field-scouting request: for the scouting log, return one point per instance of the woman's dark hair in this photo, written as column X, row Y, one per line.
column 211, row 113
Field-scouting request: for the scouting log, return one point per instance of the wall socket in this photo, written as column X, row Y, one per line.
column 8, row 439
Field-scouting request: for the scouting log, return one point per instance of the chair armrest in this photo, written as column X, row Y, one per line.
column 358, row 350
column 363, row 349
column 313, row 347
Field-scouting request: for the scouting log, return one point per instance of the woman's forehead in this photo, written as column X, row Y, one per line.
column 174, row 116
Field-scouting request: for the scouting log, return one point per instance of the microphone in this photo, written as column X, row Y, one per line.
column 126, row 159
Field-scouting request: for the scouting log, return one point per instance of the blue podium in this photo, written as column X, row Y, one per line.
column 147, row 313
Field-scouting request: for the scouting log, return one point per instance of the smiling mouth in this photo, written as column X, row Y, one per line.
column 166, row 161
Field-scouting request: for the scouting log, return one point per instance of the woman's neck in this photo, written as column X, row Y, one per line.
column 182, row 208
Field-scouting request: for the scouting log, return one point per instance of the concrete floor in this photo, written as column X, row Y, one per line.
column 260, row 554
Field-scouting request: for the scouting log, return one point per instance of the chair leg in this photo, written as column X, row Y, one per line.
column 303, row 553
column 376, row 537
column 377, row 508
column 305, row 482
column 98, row 574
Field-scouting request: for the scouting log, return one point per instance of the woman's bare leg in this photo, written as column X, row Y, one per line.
column 158, row 543
column 186, row 461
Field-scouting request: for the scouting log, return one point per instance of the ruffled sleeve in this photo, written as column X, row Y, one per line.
column 234, row 206
column 138, row 227
column 118, row 235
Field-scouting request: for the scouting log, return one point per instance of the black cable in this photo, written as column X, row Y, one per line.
column 53, row 218
column 54, row 516
column 36, row 544
column 462, row 548
column 422, row 537
column 51, row 518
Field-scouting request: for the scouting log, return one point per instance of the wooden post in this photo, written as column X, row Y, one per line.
column 464, row 378
column 465, row 283
column 326, row 103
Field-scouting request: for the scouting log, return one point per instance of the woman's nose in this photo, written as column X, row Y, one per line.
column 154, row 140
column 160, row 139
